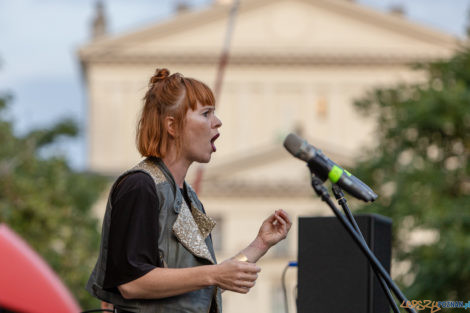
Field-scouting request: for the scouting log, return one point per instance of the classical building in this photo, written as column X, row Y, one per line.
column 295, row 65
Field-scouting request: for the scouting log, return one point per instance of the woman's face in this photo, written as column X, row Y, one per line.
column 200, row 132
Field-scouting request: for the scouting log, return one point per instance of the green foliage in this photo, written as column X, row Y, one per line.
column 420, row 170
column 48, row 203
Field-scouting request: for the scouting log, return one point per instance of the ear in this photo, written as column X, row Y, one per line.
column 170, row 124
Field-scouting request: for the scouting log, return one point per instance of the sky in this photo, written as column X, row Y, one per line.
column 39, row 40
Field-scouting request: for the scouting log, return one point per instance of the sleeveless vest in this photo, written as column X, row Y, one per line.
column 183, row 241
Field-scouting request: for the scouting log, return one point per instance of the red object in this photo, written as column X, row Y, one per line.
column 27, row 283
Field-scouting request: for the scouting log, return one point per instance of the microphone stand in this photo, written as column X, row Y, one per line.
column 339, row 195
column 321, row 191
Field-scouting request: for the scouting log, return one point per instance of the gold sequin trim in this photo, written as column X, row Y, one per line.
column 204, row 222
column 154, row 171
column 189, row 234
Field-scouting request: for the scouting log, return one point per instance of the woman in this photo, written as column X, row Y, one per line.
column 156, row 251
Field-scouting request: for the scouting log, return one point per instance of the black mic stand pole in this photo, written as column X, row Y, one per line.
column 339, row 195
column 321, row 191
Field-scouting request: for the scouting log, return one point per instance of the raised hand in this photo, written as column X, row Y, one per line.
column 275, row 228
column 272, row 230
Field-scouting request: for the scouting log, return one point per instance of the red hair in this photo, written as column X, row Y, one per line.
column 168, row 95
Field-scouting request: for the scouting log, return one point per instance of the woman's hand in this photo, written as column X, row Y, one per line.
column 274, row 229
column 236, row 276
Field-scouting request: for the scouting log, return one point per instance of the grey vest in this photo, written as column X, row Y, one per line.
column 183, row 241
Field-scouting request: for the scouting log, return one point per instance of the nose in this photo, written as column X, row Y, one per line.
column 217, row 122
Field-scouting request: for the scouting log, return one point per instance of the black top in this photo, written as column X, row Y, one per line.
column 133, row 235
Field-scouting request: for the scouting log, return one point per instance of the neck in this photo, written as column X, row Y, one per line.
column 178, row 167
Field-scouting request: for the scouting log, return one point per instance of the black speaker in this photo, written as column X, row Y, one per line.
column 334, row 276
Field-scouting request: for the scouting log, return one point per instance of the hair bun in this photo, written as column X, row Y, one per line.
column 160, row 74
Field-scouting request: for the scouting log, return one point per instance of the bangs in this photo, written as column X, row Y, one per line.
column 198, row 91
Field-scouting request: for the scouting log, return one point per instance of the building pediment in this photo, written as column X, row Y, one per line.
column 278, row 31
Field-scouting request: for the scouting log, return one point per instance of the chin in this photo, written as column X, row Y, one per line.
column 203, row 159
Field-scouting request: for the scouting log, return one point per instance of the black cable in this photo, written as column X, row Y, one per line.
column 283, row 281
column 284, row 288
column 97, row 310
column 317, row 185
column 295, row 293
column 339, row 195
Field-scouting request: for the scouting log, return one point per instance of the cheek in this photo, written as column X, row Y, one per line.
column 199, row 126
column 194, row 132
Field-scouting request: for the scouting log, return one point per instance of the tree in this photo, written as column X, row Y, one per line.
column 420, row 170
column 48, row 203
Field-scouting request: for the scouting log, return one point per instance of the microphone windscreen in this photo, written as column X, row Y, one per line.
column 292, row 143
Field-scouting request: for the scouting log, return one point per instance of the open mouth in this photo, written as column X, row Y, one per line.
column 212, row 142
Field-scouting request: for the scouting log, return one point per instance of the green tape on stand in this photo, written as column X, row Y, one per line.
column 335, row 174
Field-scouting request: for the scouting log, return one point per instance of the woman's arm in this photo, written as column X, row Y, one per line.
column 273, row 230
column 166, row 282
column 231, row 274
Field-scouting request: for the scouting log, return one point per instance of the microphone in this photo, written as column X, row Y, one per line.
column 324, row 168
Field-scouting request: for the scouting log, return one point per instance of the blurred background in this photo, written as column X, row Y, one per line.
column 382, row 87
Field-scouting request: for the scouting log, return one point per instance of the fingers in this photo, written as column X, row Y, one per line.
column 251, row 277
column 271, row 218
column 283, row 219
column 280, row 220
column 238, row 276
column 248, row 276
column 250, row 267
column 245, row 283
column 283, row 214
column 240, row 290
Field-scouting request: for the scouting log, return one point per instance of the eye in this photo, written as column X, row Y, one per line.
column 206, row 113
